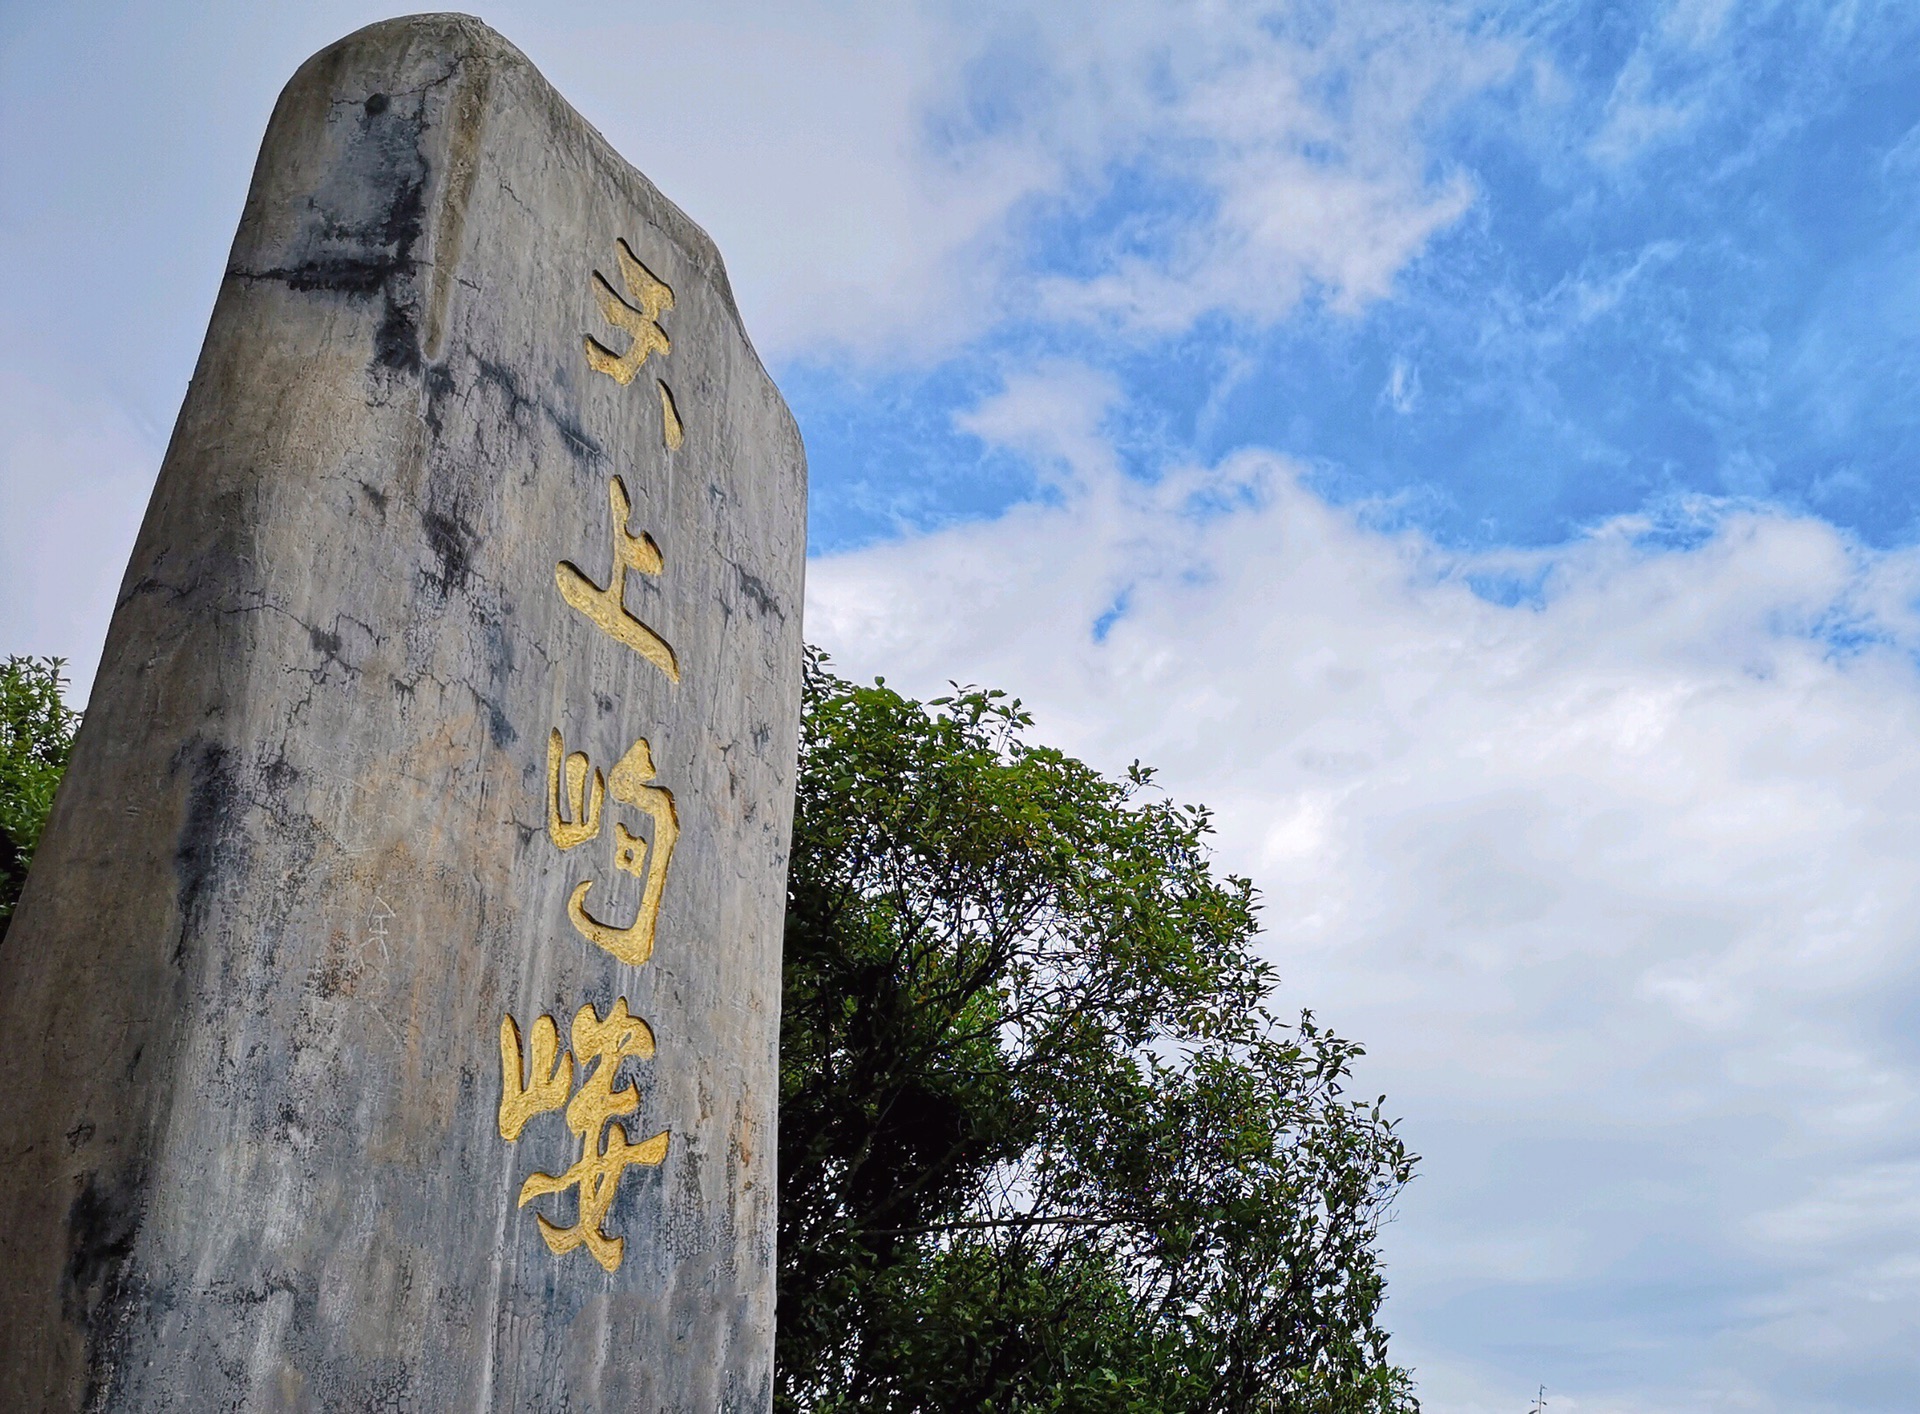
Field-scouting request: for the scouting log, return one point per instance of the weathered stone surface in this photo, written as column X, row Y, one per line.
column 251, row 1148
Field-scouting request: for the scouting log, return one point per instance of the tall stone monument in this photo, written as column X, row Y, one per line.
column 391, row 1015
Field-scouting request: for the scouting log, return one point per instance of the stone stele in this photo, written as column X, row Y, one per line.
column 392, row 1013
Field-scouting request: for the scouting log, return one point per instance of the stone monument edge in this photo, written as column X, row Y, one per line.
column 465, row 39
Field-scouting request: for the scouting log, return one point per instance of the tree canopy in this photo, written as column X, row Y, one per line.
column 36, row 738
column 1043, row 1143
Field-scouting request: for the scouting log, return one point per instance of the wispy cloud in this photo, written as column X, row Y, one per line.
column 1259, row 152
column 1282, row 153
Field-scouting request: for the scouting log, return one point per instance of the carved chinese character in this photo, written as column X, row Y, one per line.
column 572, row 783
column 546, row 1087
column 672, row 430
column 581, row 801
column 606, row 1152
column 607, row 608
column 641, row 322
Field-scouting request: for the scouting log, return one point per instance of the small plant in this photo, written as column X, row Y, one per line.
column 36, row 740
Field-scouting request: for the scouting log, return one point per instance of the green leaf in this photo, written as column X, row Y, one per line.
column 36, row 739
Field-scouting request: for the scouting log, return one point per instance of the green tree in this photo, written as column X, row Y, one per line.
column 36, row 738
column 1043, row 1145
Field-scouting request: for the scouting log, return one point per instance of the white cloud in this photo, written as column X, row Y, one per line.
column 1295, row 156
column 1617, row 888
column 1402, row 392
column 1638, row 116
column 870, row 170
column 798, row 136
column 1670, row 82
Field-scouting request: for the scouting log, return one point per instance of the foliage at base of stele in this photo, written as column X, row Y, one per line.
column 36, row 738
column 1044, row 1145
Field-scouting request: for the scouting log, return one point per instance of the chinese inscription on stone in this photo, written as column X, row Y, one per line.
column 576, row 799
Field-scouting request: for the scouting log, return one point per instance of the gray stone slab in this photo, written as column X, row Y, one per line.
column 320, row 859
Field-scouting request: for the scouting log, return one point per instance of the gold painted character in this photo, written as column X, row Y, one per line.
column 607, row 608
column 581, row 800
column 546, row 1088
column 634, row 855
column 672, row 430
column 605, row 1150
column 642, row 322
column 575, row 785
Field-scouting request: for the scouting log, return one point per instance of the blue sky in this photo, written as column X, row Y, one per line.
column 1688, row 268
column 1471, row 446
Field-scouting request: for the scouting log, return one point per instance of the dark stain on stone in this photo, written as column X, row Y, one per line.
column 148, row 584
column 207, row 839
column 396, row 343
column 500, row 667
column 389, row 1391
column 102, row 1226
column 451, row 540
column 440, row 386
column 580, row 444
column 500, row 655
column 79, row 1134
column 761, row 597
column 363, row 225
column 499, row 730
column 376, row 497
column 280, row 773
column 500, row 377
column 232, row 1294
column 327, row 643
column 334, row 974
